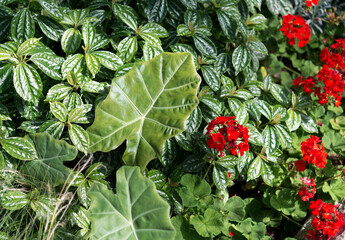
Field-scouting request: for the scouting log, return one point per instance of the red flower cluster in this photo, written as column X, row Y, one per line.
column 314, row 152
column 327, row 220
column 300, row 165
column 311, row 2
column 224, row 133
column 307, row 192
column 295, row 27
column 331, row 78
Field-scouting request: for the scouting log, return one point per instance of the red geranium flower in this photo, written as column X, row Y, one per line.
column 295, row 27
column 300, row 165
column 311, row 2
column 314, row 152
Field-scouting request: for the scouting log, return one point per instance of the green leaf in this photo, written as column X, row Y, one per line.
column 79, row 137
column 58, row 92
column 308, row 124
column 205, row 45
column 72, row 101
column 6, row 76
column 51, row 8
column 271, row 138
column 92, row 63
column 264, row 108
column 4, row 114
column 280, row 94
column 180, row 47
column 70, row 40
column 108, row 59
column 50, row 28
column 294, row 120
column 22, row 26
column 255, row 136
column 242, row 116
column 170, row 83
column 52, row 153
column 228, row 22
column 156, row 10
column 73, row 63
column 257, row 46
column 267, row 174
column 44, row 206
column 282, row 7
column 14, row 200
column 59, row 111
column 49, row 64
column 155, row 29
column 335, row 188
column 150, row 51
column 220, row 177
column 27, row 82
column 98, row 42
column 183, row 231
column 241, row 58
column 194, row 120
column 211, row 77
column 126, row 14
column 89, row 34
column 284, row 134
column 193, row 189
column 255, row 169
column 127, row 48
column 19, row 148
column 128, row 211
column 209, row 225
column 77, row 115
column 235, row 209
column 189, row 4
column 27, row 46
column 54, row 128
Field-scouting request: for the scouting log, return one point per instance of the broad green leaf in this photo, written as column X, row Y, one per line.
column 59, row 111
column 280, row 94
column 181, row 225
column 79, row 137
column 58, row 92
column 335, row 188
column 264, row 108
column 210, row 224
column 294, row 120
column 126, row 14
column 155, row 29
column 193, row 189
column 22, row 26
column 267, row 173
column 73, row 63
column 50, row 27
column 49, row 64
column 169, row 82
column 227, row 22
column 27, row 82
column 70, row 40
column 255, row 169
column 54, row 128
column 125, row 215
column 257, row 46
column 108, row 59
column 77, row 115
column 235, row 209
column 52, row 153
column 284, row 134
column 308, row 123
column 19, row 148
column 271, row 138
column 14, row 200
column 92, row 63
column 282, row 7
column 127, row 48
column 27, row 46
column 205, row 45
column 51, row 8
column 241, row 58
column 255, row 136
column 211, row 77
column 89, row 34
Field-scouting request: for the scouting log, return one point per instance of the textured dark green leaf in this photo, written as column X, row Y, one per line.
column 92, row 63
column 211, row 77
column 27, row 46
column 284, row 134
column 220, row 177
column 79, row 137
column 78, row 115
column 49, row 64
column 255, row 136
column 264, row 108
column 72, row 64
column 194, row 120
column 59, row 111
column 205, row 45
column 294, row 120
column 22, row 26
column 271, row 138
column 280, row 94
column 150, row 51
column 267, row 173
column 156, row 10
column 255, row 169
column 50, row 27
column 51, row 8
column 183, row 30
column 135, row 202
column 174, row 91
column 14, row 200
column 6, row 74
column 19, row 148
column 126, row 14
column 52, row 127
column 282, row 7
column 308, row 123
column 89, row 34
column 27, row 82
column 58, row 92
column 127, row 48
column 241, row 58
column 108, row 59
column 70, row 40
column 257, row 46
column 242, row 115
column 155, row 29
column 227, row 23
column 52, row 153
column 72, row 101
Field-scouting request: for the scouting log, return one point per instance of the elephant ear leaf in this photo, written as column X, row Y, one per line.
column 147, row 106
column 136, row 212
column 49, row 167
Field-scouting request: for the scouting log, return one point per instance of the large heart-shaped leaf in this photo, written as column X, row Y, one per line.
column 48, row 167
column 136, row 212
column 147, row 106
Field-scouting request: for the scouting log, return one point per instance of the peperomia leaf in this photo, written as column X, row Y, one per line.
column 136, row 212
column 52, row 153
column 146, row 118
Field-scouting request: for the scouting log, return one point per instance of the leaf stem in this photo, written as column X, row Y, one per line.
column 208, row 169
column 291, row 70
column 290, row 219
column 328, row 179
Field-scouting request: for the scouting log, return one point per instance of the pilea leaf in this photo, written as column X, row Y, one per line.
column 136, row 212
column 146, row 106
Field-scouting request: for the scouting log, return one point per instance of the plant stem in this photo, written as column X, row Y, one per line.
column 328, row 179
column 291, row 219
column 291, row 70
column 209, row 167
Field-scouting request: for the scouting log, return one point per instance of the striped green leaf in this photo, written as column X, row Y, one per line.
column 127, row 48
column 108, row 59
column 79, row 137
column 241, row 58
column 22, row 26
column 294, row 120
column 271, row 138
column 59, row 111
column 48, row 63
column 70, row 40
column 92, row 63
column 14, row 200
column 19, row 148
column 126, row 14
